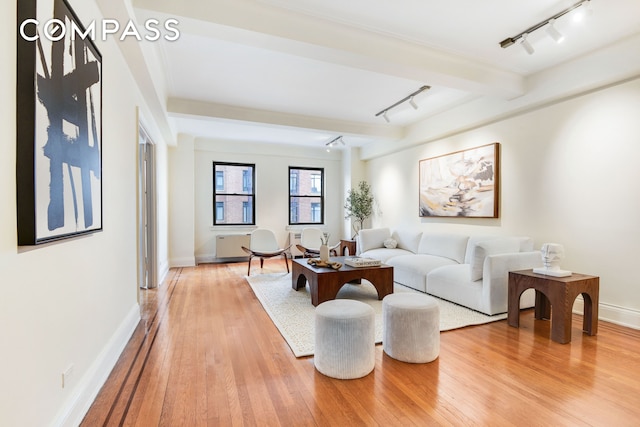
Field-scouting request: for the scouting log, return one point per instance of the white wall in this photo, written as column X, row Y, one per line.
column 71, row 303
column 272, row 187
column 181, row 208
column 569, row 174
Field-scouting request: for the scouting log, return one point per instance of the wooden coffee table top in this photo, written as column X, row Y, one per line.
column 325, row 282
column 304, row 262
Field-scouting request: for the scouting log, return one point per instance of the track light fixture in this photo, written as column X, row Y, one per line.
column 384, row 113
column 553, row 33
column 551, row 30
column 526, row 45
column 413, row 103
column 335, row 141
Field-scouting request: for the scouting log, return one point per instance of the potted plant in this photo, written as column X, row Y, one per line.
column 359, row 205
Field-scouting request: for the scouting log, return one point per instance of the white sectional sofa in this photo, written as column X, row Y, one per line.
column 468, row 270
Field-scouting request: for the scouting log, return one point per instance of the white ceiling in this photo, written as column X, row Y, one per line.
column 306, row 71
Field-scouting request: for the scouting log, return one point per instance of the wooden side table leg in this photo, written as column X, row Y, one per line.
column 590, row 320
column 543, row 306
column 513, row 304
column 561, row 318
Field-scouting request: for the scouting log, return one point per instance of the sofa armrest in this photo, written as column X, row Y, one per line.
column 495, row 277
column 372, row 238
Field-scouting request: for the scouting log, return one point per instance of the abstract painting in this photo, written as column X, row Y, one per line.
column 59, row 126
column 461, row 184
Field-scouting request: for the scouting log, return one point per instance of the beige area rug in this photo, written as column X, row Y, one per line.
column 293, row 314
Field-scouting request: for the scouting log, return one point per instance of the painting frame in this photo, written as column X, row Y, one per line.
column 58, row 125
column 461, row 184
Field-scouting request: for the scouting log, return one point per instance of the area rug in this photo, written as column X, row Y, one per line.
column 293, row 314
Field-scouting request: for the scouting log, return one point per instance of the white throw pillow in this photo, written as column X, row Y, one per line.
column 491, row 247
column 390, row 244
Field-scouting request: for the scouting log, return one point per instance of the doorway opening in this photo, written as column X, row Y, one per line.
column 147, row 227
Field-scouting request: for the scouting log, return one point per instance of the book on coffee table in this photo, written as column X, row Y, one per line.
column 362, row 262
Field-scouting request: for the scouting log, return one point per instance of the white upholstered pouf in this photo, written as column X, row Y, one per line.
column 411, row 327
column 344, row 339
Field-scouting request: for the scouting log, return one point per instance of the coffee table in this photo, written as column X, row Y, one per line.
column 325, row 282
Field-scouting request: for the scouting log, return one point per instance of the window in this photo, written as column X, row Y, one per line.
column 220, row 211
column 294, row 174
column 316, row 183
column 233, row 193
column 247, row 180
column 316, row 212
column 306, row 195
column 220, row 180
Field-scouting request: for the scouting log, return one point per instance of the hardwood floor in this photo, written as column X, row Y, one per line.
column 206, row 353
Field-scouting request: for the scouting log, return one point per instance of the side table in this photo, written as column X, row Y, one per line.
column 347, row 244
column 559, row 293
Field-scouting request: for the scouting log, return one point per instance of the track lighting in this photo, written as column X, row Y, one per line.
column 553, row 33
column 335, row 141
column 384, row 113
column 551, row 30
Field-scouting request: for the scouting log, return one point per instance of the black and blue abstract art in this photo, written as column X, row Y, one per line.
column 59, row 122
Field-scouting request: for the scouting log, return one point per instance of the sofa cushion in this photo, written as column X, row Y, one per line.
column 407, row 239
column 372, row 238
column 471, row 245
column 411, row 270
column 452, row 246
column 482, row 249
column 451, row 282
column 384, row 254
column 526, row 244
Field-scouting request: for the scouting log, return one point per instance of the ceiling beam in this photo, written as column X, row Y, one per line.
column 258, row 24
column 178, row 107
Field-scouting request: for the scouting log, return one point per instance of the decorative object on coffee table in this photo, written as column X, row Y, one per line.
column 317, row 262
column 324, row 248
column 411, row 327
column 344, row 339
column 552, row 254
column 559, row 293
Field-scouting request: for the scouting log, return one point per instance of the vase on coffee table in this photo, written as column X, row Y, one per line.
column 324, row 253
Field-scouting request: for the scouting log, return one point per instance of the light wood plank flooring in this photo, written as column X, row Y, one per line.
column 207, row 354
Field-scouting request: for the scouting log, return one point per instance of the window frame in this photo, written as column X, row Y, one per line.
column 251, row 195
column 311, row 195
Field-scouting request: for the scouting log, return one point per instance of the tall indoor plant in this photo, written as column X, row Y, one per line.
column 359, row 205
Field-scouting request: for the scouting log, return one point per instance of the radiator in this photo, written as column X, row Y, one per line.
column 230, row 245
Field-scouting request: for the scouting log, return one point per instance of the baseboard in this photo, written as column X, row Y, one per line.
column 163, row 271
column 612, row 313
column 183, row 262
column 210, row 259
column 76, row 407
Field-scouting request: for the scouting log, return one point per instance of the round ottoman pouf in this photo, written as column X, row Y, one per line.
column 411, row 327
column 345, row 339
